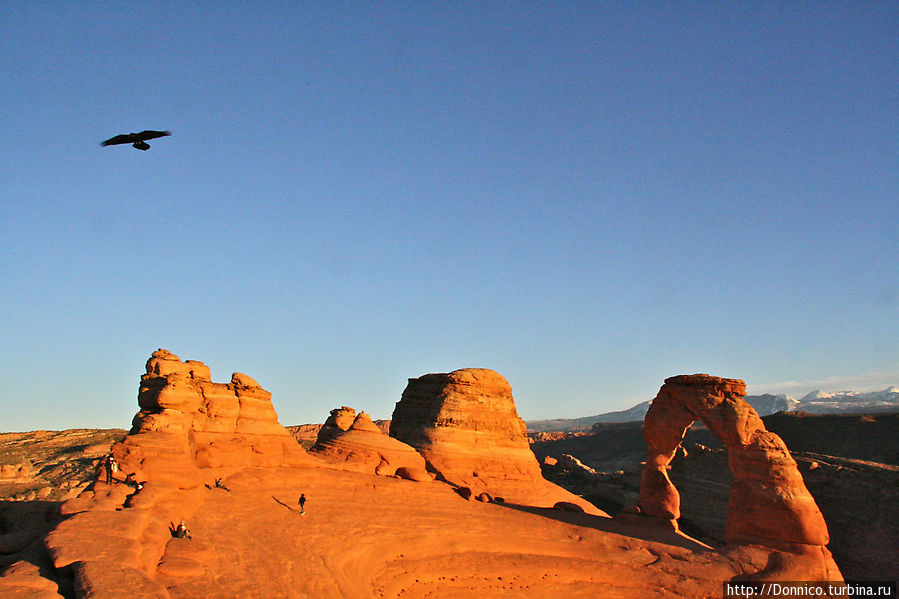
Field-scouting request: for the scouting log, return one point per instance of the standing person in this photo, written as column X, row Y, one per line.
column 302, row 504
column 111, row 468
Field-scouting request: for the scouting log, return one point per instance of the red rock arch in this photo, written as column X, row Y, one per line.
column 769, row 503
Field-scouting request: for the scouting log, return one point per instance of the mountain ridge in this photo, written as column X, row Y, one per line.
column 814, row 402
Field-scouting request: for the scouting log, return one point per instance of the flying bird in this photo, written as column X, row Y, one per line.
column 137, row 140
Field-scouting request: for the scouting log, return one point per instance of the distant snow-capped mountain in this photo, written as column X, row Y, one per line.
column 769, row 404
column 816, row 402
column 763, row 404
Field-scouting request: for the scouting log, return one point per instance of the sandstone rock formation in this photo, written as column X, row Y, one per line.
column 465, row 425
column 187, row 422
column 362, row 447
column 189, row 430
column 307, row 434
column 340, row 420
column 362, row 536
column 769, row 503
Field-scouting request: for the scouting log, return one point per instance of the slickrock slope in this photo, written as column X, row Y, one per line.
column 367, row 537
column 465, row 425
column 38, row 470
column 769, row 503
column 364, row 448
column 188, row 431
column 362, row 536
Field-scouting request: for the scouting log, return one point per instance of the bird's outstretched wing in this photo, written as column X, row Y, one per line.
column 118, row 139
column 145, row 135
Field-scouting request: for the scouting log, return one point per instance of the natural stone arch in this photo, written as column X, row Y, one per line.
column 769, row 503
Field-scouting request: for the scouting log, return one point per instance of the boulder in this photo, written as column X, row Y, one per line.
column 413, row 473
column 567, row 506
column 466, row 426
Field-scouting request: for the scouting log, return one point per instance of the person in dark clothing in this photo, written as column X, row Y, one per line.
column 302, row 504
column 181, row 531
column 131, row 481
column 220, row 484
column 111, row 468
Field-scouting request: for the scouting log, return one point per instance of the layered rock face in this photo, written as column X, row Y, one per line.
column 769, row 503
column 187, row 422
column 465, row 425
column 339, row 421
column 188, row 431
column 362, row 447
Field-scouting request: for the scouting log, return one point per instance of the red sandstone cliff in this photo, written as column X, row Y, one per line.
column 769, row 503
column 465, row 425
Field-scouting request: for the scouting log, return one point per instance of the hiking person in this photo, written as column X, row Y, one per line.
column 111, row 468
column 181, row 531
column 220, row 484
column 302, row 504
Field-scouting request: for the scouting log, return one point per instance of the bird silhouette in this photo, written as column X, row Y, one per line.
column 137, row 140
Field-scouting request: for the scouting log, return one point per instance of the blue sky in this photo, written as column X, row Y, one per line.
column 585, row 197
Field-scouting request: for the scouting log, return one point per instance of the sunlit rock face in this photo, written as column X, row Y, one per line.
column 189, row 431
column 769, row 503
column 466, row 426
column 187, row 423
column 340, row 420
column 362, row 447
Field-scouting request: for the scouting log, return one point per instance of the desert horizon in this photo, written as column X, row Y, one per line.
column 448, row 299
column 411, row 507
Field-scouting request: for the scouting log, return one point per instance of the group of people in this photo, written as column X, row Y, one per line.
column 183, row 532
column 111, row 467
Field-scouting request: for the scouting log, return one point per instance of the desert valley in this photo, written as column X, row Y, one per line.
column 451, row 497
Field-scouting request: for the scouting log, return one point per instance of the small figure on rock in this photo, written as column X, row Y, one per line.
column 132, row 481
column 111, row 468
column 302, row 504
column 181, row 531
column 220, row 484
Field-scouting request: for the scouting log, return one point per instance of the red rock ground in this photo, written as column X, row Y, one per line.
column 368, row 536
column 363, row 534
